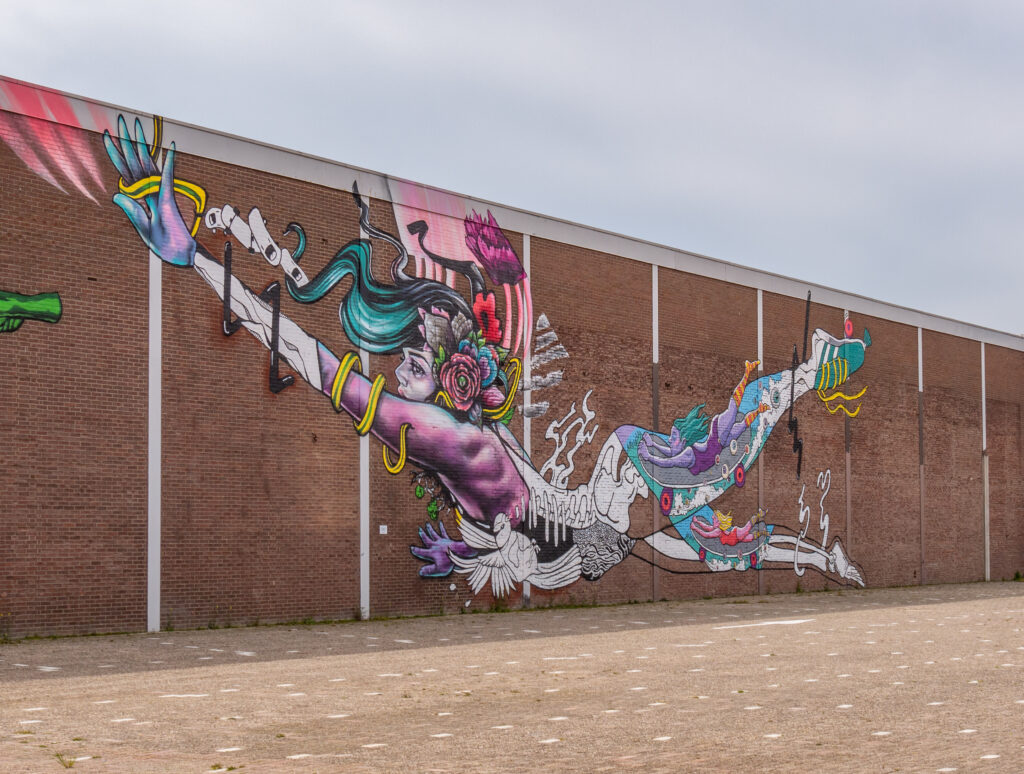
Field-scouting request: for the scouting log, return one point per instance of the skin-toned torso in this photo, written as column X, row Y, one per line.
column 471, row 461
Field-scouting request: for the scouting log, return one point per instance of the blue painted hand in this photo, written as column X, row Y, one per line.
column 158, row 221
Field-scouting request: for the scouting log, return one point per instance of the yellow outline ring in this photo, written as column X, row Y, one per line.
column 350, row 361
column 396, row 468
column 363, row 425
column 148, row 186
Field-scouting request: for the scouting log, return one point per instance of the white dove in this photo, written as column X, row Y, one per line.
column 512, row 560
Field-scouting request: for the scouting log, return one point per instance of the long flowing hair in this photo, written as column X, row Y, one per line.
column 383, row 318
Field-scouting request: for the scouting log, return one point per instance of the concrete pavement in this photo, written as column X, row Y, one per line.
column 924, row 679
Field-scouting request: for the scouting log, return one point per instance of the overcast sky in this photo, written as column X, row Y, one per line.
column 875, row 147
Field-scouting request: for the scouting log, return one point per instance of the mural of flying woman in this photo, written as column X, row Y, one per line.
column 458, row 379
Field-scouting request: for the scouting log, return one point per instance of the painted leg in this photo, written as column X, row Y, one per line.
column 748, row 370
column 674, row 548
column 788, row 549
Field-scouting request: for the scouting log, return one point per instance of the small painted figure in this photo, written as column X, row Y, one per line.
column 698, row 457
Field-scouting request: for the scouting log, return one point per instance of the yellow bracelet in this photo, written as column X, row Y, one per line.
column 363, row 426
column 149, row 186
column 350, row 361
column 397, row 467
column 514, row 370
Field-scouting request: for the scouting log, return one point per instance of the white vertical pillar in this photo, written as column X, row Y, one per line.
column 656, row 517
column 364, row 515
column 920, row 362
column 364, row 498
column 984, row 470
column 153, row 449
column 527, row 376
column 920, row 439
column 760, row 330
column 984, row 407
column 654, row 313
column 760, row 457
column 849, row 465
column 527, row 369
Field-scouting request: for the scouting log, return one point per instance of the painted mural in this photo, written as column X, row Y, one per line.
column 456, row 312
column 15, row 309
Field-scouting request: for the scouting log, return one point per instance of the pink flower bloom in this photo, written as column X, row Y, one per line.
column 488, row 243
column 460, row 379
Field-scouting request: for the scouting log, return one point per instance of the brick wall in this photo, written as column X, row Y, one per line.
column 261, row 492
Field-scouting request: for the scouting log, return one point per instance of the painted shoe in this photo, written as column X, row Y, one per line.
column 835, row 359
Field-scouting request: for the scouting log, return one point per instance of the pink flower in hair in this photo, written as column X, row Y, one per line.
column 460, row 379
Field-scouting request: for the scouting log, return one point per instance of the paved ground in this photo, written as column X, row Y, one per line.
column 922, row 679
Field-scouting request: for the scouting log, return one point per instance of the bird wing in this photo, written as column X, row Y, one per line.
column 489, row 567
column 561, row 572
column 473, row 536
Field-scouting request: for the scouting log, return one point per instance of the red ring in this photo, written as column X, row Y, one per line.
column 666, row 501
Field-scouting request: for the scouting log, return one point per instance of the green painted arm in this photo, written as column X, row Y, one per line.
column 16, row 308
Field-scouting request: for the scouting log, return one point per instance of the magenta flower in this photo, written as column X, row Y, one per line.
column 460, row 379
column 488, row 243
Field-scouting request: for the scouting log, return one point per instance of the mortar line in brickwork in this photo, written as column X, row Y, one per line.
column 153, row 444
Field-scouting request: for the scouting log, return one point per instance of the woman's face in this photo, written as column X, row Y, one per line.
column 415, row 377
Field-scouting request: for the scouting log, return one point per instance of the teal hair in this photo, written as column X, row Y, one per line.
column 379, row 318
column 694, row 426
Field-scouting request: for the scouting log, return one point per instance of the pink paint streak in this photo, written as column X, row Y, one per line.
column 12, row 135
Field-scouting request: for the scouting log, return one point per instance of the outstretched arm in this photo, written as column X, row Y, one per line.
column 297, row 347
column 434, row 438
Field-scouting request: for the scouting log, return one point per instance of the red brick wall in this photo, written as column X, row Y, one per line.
column 72, row 414
column 953, row 491
column 261, row 492
column 1004, row 393
column 822, row 435
column 701, row 365
column 884, row 461
column 607, row 330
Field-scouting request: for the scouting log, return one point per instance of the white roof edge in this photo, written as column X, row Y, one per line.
column 266, row 157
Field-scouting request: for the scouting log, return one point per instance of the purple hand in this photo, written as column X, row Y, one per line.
column 435, row 551
column 159, row 222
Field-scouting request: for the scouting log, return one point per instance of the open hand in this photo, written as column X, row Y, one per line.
column 158, row 221
column 435, row 551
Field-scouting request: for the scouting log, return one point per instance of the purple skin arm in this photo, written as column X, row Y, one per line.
column 470, row 460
